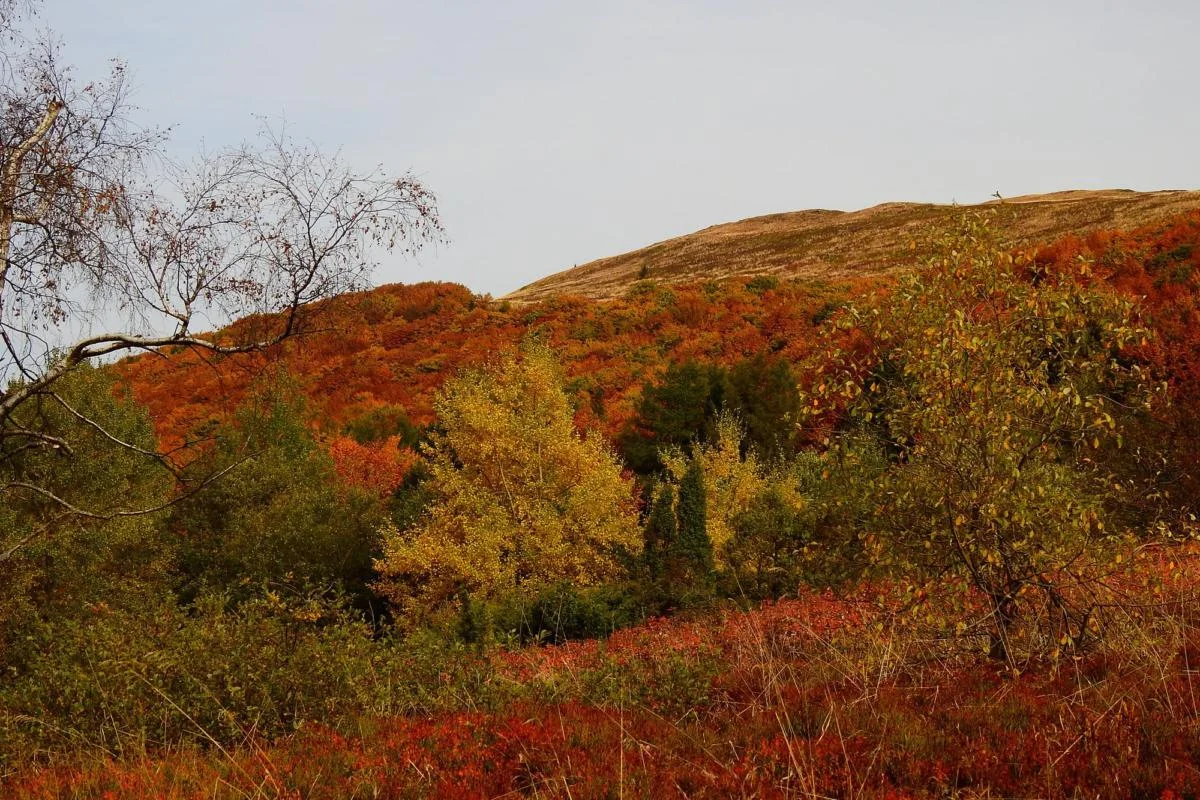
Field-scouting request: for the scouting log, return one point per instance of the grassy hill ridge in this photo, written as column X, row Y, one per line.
column 831, row 245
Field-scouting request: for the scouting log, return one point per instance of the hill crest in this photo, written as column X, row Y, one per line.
column 830, row 245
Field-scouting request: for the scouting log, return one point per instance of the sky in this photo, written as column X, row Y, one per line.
column 554, row 133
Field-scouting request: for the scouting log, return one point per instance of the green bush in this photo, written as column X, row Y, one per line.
column 58, row 562
column 281, row 514
column 128, row 681
column 761, row 284
column 767, row 553
column 558, row 614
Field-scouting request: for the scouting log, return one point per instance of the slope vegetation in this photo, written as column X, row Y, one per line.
column 846, row 244
column 391, row 348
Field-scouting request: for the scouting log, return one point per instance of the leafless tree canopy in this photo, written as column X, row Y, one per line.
column 96, row 224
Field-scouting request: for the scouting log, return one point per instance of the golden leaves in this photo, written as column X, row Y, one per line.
column 522, row 500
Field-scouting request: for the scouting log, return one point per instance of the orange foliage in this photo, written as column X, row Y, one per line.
column 377, row 468
column 397, row 344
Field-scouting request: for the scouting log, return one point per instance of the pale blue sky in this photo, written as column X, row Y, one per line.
column 558, row 132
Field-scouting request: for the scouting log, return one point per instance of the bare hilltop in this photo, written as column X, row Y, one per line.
column 827, row 244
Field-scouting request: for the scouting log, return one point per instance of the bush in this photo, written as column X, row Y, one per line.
column 558, row 614
column 117, row 681
column 767, row 553
column 282, row 514
column 55, row 562
column 761, row 284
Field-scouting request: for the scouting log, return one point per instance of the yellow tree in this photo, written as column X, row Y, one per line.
column 991, row 388
column 732, row 480
column 521, row 500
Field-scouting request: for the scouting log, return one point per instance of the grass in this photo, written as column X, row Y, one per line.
column 837, row 244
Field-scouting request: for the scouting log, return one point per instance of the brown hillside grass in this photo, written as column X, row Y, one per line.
column 845, row 244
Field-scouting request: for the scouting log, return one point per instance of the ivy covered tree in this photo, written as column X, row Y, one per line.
column 519, row 500
column 730, row 480
column 994, row 393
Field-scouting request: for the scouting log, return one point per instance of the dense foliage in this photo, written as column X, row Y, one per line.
column 518, row 499
column 954, row 511
column 388, row 351
column 991, row 396
column 816, row 696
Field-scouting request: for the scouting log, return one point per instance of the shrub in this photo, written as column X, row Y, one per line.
column 283, row 514
column 992, row 395
column 760, row 284
column 562, row 613
column 215, row 675
column 767, row 552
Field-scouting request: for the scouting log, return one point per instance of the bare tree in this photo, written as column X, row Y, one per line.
column 96, row 225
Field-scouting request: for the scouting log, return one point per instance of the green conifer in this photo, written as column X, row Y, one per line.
column 661, row 531
column 693, row 547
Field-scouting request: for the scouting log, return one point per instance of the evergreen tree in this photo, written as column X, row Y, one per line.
column 679, row 410
column 693, row 548
column 661, row 531
column 762, row 392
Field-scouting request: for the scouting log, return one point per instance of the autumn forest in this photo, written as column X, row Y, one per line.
column 921, row 531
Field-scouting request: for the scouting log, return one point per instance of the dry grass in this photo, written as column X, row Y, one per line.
column 847, row 244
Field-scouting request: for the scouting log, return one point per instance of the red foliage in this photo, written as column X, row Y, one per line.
column 377, row 468
column 784, row 713
column 397, row 344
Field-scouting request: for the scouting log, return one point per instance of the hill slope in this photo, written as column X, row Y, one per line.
column 844, row 244
column 394, row 346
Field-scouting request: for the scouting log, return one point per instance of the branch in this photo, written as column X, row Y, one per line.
column 12, row 175
column 109, row 343
column 91, row 423
column 105, row 517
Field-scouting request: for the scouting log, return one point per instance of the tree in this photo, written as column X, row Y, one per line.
column 768, row 556
column 762, row 392
column 677, row 411
column 123, row 562
column 992, row 396
column 693, row 550
column 684, row 408
column 286, row 516
column 519, row 499
column 730, row 480
column 98, row 227
column 660, row 532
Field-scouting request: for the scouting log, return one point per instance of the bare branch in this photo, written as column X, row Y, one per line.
column 98, row 230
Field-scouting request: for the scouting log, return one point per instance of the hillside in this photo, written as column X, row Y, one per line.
column 394, row 346
column 881, row 663
column 847, row 244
